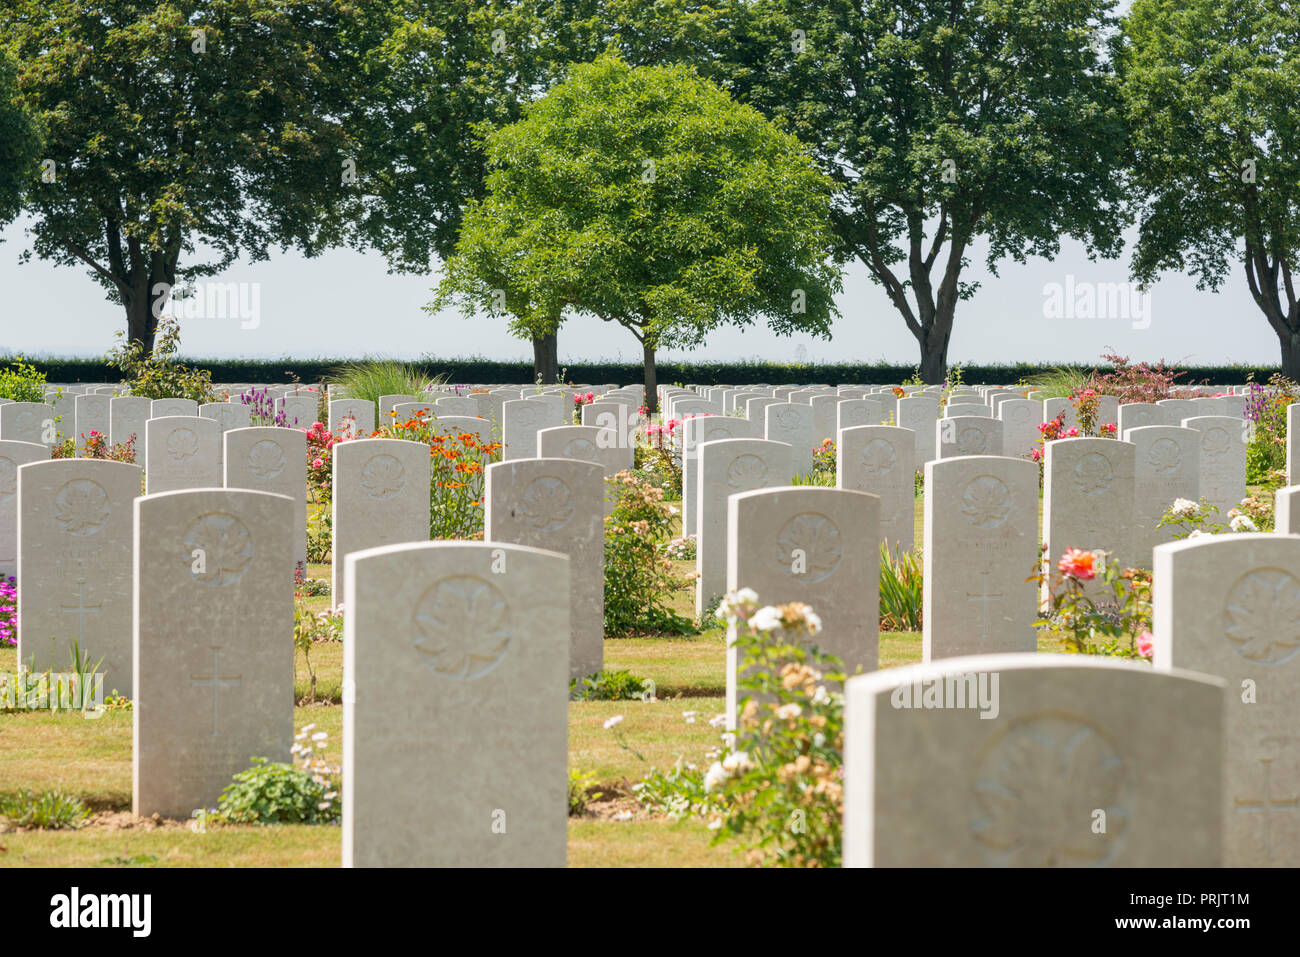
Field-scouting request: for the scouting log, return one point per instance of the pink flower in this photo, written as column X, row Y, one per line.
column 1146, row 644
column 1078, row 564
column 317, row 463
column 317, row 427
column 1071, row 433
column 591, row 397
column 1108, row 427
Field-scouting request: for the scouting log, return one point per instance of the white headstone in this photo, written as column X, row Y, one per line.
column 181, row 453
column 697, row 430
column 968, row 435
column 1229, row 606
column 1166, row 467
column 13, row 455
column 558, row 505
column 434, row 633
column 91, row 415
column 792, row 423
column 1032, row 761
column 74, row 566
column 524, row 418
column 726, row 467
column 981, row 544
column 380, row 496
column 817, row 545
column 159, row 408
column 213, row 662
column 269, row 459
column 880, row 459
column 1222, row 461
column 918, row 413
column 128, row 416
column 28, row 422
column 360, row 414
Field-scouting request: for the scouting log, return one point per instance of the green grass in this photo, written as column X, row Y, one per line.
column 371, row 378
column 91, row 760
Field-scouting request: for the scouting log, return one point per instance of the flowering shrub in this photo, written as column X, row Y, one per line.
column 21, row 382
column 97, row 447
column 1190, row 519
column 1108, row 617
column 457, row 474
column 320, row 461
column 1086, row 405
column 1266, row 452
column 261, row 408
column 1135, row 383
column 579, row 401
column 8, row 610
column 681, row 549
column 824, row 457
column 778, row 788
column 639, row 576
column 660, row 454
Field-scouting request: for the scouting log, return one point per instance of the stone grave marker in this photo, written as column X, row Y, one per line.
column 433, row 632
column 558, row 505
column 213, row 661
column 1017, row 760
column 981, row 543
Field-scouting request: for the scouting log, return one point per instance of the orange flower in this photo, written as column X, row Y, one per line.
column 1078, row 564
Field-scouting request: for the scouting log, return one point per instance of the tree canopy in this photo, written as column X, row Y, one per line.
column 20, row 143
column 647, row 197
column 1211, row 90
column 943, row 123
column 182, row 141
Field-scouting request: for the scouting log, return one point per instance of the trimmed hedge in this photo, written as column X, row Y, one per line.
column 740, row 372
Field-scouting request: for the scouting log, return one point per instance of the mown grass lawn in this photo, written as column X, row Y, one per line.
column 91, row 759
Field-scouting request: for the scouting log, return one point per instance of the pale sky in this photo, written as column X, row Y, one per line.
column 345, row 304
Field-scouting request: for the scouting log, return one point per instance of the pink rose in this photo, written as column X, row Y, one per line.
column 1146, row 644
column 317, row 463
column 1078, row 564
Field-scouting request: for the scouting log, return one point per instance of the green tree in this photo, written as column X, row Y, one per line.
column 1211, row 90
column 647, row 197
column 200, row 132
column 944, row 123
column 20, row 143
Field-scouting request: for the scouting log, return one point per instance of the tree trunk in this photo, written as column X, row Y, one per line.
column 651, row 386
column 141, row 324
column 1290, row 341
column 934, row 346
column 546, row 358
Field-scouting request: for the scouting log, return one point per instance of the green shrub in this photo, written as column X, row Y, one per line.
column 46, row 810
column 611, row 686
column 158, row 375
column 278, row 794
column 582, row 791
column 639, row 578
column 22, row 383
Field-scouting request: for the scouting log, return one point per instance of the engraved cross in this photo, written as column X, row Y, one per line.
column 985, row 597
column 216, row 682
